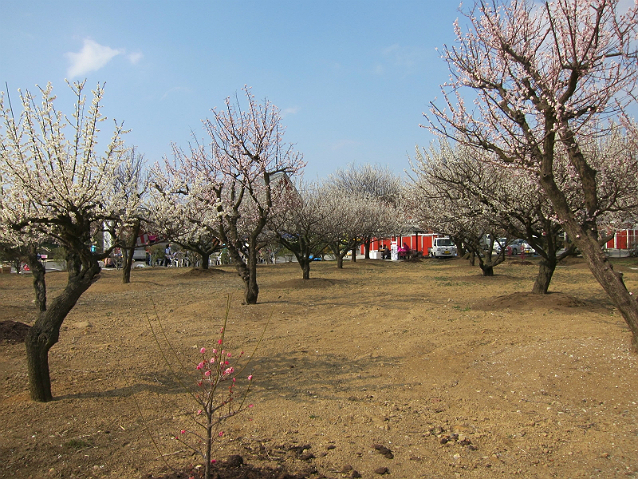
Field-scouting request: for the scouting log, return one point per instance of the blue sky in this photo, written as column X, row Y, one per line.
column 352, row 78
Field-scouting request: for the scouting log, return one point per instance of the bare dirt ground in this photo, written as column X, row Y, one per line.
column 409, row 369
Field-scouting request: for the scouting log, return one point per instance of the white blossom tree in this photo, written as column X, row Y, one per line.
column 62, row 188
column 460, row 185
column 131, row 184
column 533, row 217
column 543, row 75
column 182, row 210
column 455, row 193
column 239, row 179
column 299, row 226
column 351, row 217
column 380, row 186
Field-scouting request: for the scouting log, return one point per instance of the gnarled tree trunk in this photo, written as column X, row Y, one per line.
column 205, row 259
column 585, row 236
column 46, row 330
column 612, row 282
column 252, row 289
column 305, row 268
column 488, row 269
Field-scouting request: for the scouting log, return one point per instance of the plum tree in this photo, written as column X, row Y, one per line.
column 544, row 75
column 62, row 189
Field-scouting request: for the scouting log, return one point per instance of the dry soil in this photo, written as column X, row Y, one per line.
column 423, row 369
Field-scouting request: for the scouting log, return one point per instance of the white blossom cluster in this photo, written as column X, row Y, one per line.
column 466, row 193
column 55, row 181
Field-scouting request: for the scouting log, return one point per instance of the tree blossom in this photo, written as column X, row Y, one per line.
column 215, row 404
column 232, row 186
column 381, row 188
column 55, row 184
column 544, row 75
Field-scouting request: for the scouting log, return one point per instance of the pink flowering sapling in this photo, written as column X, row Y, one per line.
column 217, row 398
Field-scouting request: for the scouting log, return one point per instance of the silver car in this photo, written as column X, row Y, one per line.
column 520, row 246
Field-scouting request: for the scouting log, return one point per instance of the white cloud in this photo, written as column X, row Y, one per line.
column 134, row 58
column 289, row 111
column 92, row 57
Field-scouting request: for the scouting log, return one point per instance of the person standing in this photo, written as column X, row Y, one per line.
column 168, row 255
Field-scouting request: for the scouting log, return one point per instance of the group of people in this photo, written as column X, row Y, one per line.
column 404, row 252
column 167, row 260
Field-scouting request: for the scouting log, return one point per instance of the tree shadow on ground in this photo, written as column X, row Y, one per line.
column 303, row 374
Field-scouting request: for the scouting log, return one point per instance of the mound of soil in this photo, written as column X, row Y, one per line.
column 415, row 259
column 13, row 331
column 573, row 261
column 479, row 278
column 524, row 301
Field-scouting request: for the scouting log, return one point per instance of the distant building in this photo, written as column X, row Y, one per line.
column 624, row 239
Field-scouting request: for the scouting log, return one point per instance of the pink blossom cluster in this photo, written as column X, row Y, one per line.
column 215, row 404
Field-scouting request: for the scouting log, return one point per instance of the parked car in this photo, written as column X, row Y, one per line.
column 442, row 248
column 520, row 246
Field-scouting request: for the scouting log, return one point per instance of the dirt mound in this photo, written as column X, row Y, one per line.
column 197, row 272
column 530, row 301
column 479, row 278
column 415, row 259
column 13, row 332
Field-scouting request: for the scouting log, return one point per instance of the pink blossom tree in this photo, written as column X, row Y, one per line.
column 254, row 163
column 543, row 75
column 239, row 179
column 62, row 189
